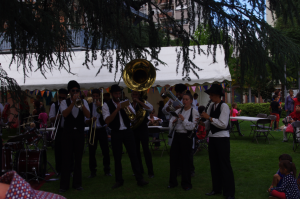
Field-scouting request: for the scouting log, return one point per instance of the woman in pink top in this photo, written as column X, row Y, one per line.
column 43, row 118
column 233, row 113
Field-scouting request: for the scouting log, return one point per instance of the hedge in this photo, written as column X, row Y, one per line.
column 252, row 109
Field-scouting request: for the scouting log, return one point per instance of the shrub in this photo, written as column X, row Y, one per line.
column 252, row 109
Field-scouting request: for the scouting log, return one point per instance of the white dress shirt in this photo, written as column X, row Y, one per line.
column 147, row 104
column 53, row 113
column 195, row 102
column 106, row 113
column 97, row 115
column 75, row 110
column 164, row 110
column 185, row 125
column 222, row 122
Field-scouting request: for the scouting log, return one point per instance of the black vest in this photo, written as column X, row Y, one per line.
column 91, row 115
column 144, row 124
column 115, row 124
column 71, row 122
column 216, row 114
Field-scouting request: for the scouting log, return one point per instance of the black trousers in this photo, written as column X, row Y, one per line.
column 72, row 145
column 141, row 136
column 236, row 123
column 117, row 138
column 221, row 171
column 180, row 154
column 101, row 137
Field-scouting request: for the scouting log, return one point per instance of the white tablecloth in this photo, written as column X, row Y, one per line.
column 246, row 118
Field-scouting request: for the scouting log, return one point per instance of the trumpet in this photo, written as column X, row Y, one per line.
column 99, row 108
column 78, row 103
column 130, row 115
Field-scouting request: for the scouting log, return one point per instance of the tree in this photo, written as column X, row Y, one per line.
column 41, row 30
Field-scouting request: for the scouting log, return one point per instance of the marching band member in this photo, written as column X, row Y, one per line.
column 73, row 136
column 100, row 136
column 141, row 133
column 181, row 145
column 119, row 123
column 62, row 95
column 219, row 144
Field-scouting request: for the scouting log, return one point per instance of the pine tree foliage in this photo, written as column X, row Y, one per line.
column 42, row 30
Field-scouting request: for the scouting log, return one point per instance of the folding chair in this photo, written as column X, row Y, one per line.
column 162, row 140
column 254, row 126
column 296, row 135
column 262, row 132
column 202, row 144
column 272, row 118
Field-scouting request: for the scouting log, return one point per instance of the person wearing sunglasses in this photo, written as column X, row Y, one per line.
column 55, row 116
column 73, row 137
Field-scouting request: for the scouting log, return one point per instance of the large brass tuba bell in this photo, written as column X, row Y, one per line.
column 139, row 75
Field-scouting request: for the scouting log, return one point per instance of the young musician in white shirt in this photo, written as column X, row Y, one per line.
column 219, row 144
column 181, row 144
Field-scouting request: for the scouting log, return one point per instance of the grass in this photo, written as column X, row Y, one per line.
column 253, row 165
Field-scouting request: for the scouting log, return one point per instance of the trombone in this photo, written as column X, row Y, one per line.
column 56, row 127
column 98, row 110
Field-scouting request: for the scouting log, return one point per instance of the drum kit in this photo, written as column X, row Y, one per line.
column 23, row 154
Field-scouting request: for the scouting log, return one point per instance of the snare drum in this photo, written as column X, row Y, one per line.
column 14, row 146
column 36, row 160
column 32, row 139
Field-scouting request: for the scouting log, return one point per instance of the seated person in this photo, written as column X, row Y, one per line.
column 277, row 178
column 295, row 116
column 154, row 121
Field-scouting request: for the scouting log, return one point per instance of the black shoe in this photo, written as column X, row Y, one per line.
column 151, row 175
column 92, row 175
column 79, row 188
column 62, row 191
column 171, row 186
column 142, row 183
column 187, row 188
column 212, row 193
column 108, row 174
column 117, row 185
column 229, row 197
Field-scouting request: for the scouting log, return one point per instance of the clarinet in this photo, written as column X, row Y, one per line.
column 193, row 131
column 171, row 132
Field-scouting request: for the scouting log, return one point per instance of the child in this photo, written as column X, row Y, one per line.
column 201, row 133
column 274, row 110
column 43, row 117
column 289, row 188
column 234, row 112
column 277, row 178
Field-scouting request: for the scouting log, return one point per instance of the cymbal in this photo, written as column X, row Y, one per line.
column 31, row 116
column 20, row 138
column 25, row 124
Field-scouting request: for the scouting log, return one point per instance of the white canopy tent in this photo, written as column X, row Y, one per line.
column 212, row 72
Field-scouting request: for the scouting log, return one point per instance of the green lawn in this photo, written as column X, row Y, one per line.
column 253, row 166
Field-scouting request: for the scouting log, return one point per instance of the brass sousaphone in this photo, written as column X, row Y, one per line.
column 139, row 75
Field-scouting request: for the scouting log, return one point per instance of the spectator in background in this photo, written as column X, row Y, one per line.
column 165, row 98
column 106, row 97
column 274, row 110
column 289, row 102
column 154, row 121
column 160, row 114
column 43, row 118
column 296, row 100
column 36, row 112
column 24, row 109
column 195, row 101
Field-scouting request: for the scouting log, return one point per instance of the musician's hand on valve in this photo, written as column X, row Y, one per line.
column 136, row 100
column 205, row 115
column 174, row 121
column 94, row 118
column 119, row 106
column 181, row 117
column 75, row 97
column 177, row 107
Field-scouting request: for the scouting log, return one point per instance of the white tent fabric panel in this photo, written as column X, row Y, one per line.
column 212, row 72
